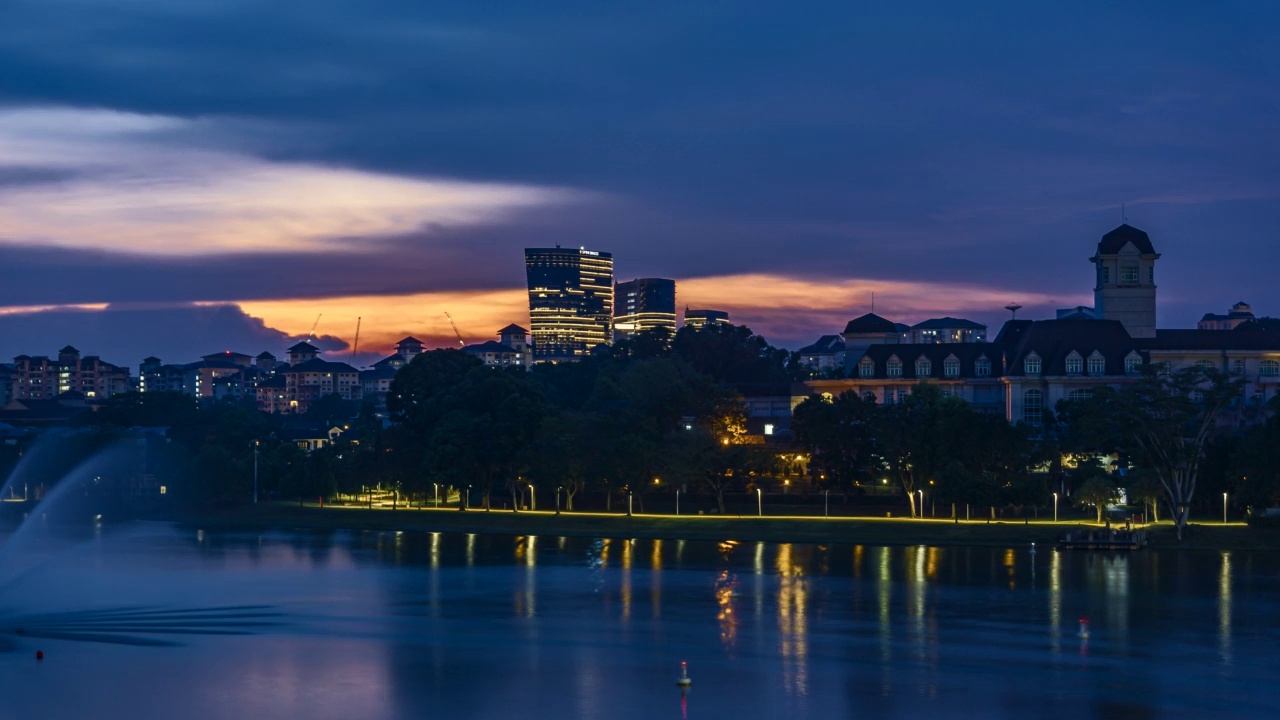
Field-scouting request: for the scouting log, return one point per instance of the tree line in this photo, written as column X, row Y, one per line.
column 647, row 416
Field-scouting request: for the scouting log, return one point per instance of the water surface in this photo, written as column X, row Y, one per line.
column 406, row 625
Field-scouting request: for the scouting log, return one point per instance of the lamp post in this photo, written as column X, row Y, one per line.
column 1224, row 508
column 436, row 487
column 920, row 511
column 677, row 502
column 1055, row 507
column 826, row 503
column 759, row 503
column 533, row 501
column 628, row 502
column 255, row 472
column 558, row 499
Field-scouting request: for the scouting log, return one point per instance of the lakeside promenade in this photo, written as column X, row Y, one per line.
column 769, row 528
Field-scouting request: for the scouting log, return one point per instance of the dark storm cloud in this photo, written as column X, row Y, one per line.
column 924, row 140
column 124, row 334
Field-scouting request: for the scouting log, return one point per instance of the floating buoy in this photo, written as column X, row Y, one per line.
column 1084, row 627
column 39, row 654
column 684, row 680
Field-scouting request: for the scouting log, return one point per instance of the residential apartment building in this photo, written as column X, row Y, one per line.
column 40, row 378
column 309, row 378
column 698, row 319
column 510, row 350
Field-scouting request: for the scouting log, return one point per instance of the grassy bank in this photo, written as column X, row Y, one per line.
column 870, row 531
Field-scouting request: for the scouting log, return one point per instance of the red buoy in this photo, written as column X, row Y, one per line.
column 39, row 654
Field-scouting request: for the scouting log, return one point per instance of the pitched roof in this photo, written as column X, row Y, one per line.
column 318, row 365
column 384, row 372
column 264, row 355
column 826, row 345
column 1115, row 240
column 936, row 353
column 303, row 347
column 513, row 328
column 69, row 350
column 489, row 346
column 948, row 322
column 1213, row 340
column 869, row 324
column 1053, row 340
column 410, row 341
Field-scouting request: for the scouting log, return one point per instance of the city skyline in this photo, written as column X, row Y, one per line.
column 187, row 199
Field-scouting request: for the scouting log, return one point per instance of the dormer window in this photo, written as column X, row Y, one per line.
column 982, row 368
column 1097, row 364
column 866, row 369
column 951, row 367
column 1132, row 364
column 1075, row 363
column 1031, row 365
column 893, row 368
column 924, row 368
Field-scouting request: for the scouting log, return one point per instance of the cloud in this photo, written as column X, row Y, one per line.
column 123, row 335
column 127, row 185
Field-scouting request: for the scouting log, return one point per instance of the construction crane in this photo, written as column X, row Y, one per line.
column 455, row 330
column 314, row 325
column 356, row 345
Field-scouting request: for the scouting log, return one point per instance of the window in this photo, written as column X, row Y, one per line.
column 982, row 368
column 1033, row 407
column 1129, row 275
column 1133, row 364
column 1151, row 274
column 1075, row 364
column 894, row 367
column 1105, row 275
column 1031, row 365
column 1269, row 368
column 1081, row 394
column 1237, row 366
column 866, row 369
column 1097, row 364
column 951, row 367
column 924, row 368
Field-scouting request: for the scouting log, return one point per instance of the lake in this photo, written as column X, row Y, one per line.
column 152, row 620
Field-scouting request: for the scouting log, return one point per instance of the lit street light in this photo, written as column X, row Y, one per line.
column 920, row 512
column 1055, row 507
column 1224, row 508
column 533, row 501
column 558, row 499
column 677, row 502
column 255, row 472
column 759, row 503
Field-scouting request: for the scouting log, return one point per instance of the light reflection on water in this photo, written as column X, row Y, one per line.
column 541, row 627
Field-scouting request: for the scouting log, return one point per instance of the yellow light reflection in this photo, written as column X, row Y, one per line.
column 793, row 600
column 1224, row 608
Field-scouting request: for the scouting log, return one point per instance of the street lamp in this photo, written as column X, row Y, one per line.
column 759, row 503
column 436, row 486
column 558, row 499
column 1055, row 507
column 1224, row 508
column 533, row 501
column 255, row 472
column 826, row 503
column 677, row 502
column 920, row 512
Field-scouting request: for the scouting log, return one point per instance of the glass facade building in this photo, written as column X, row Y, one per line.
column 644, row 304
column 570, row 301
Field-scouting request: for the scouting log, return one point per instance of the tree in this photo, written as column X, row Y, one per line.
column 1164, row 421
column 838, row 437
column 1097, row 492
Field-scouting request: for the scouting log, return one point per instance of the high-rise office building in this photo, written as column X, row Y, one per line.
column 570, row 301
column 642, row 305
column 698, row 319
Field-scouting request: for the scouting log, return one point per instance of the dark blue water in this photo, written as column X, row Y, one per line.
column 390, row 625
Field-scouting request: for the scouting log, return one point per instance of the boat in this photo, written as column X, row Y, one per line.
column 1104, row 540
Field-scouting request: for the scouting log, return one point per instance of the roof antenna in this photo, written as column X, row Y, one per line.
column 873, row 303
column 1013, row 309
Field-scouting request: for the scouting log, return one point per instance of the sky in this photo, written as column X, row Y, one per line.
column 181, row 177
